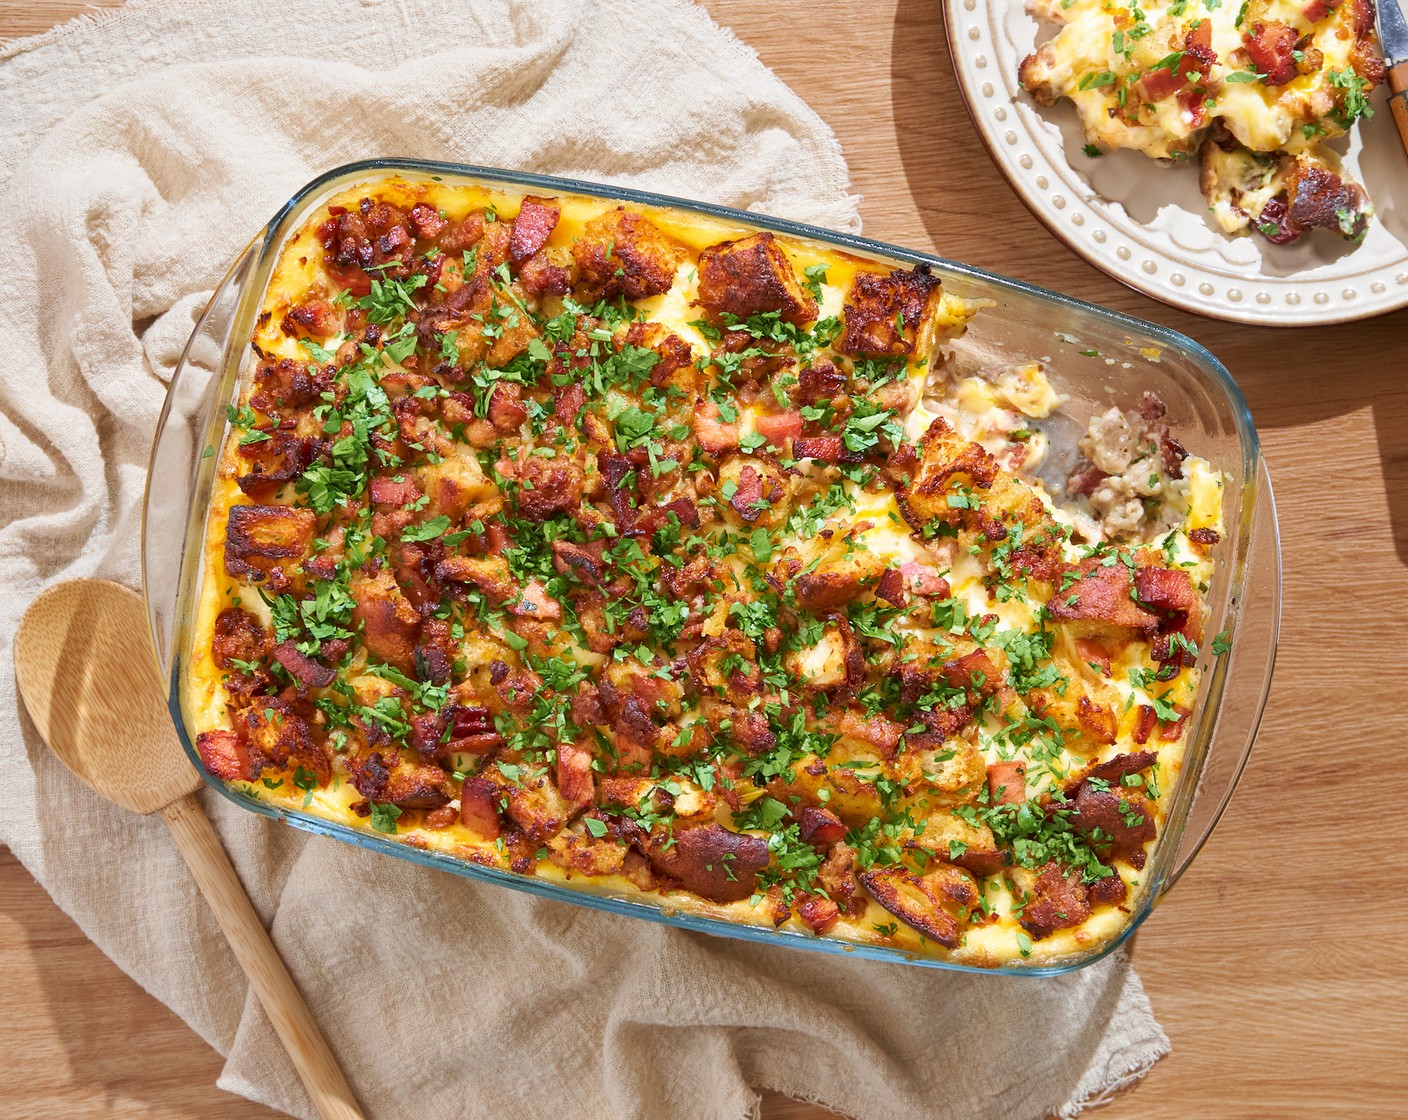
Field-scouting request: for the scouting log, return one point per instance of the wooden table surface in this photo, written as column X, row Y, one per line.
column 1275, row 967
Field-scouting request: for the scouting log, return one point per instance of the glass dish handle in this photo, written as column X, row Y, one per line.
column 184, row 453
column 1252, row 660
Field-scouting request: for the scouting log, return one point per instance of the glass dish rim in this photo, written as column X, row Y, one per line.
column 255, row 257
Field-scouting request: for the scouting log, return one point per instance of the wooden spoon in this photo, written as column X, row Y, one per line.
column 85, row 668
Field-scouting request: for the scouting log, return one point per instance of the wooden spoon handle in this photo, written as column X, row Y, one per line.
column 260, row 960
column 1398, row 100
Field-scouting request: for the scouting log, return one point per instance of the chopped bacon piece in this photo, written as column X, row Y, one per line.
column 826, row 449
column 911, row 577
column 405, row 784
column 1144, row 721
column 711, row 861
column 1319, row 198
column 506, row 409
column 1118, row 817
column 748, row 499
column 316, row 317
column 548, row 487
column 714, row 435
column 541, row 277
column 585, row 561
column 820, row 826
column 302, row 667
column 1114, row 770
column 1059, row 901
column 818, row 914
column 537, row 218
column 574, row 774
column 885, row 316
column 751, row 275
column 238, row 636
column 427, row 221
column 570, row 401
column 227, row 756
column 397, row 492
column 1316, row 10
column 1007, row 782
column 479, row 808
column 1271, row 44
column 621, row 253
column 821, row 381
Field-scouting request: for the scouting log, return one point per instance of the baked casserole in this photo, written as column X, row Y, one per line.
column 637, row 551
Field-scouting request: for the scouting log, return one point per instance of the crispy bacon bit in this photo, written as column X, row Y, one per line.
column 302, row 667
column 911, row 578
column 260, row 541
column 818, row 914
column 886, row 316
column 316, row 317
column 714, row 435
column 1316, row 10
column 396, row 492
column 1116, row 769
column 286, row 385
column 1117, row 818
column 399, row 782
column 1007, row 782
column 711, row 861
column 1059, row 901
column 238, row 637
column 742, row 278
column 227, row 756
column 1319, row 198
column 427, row 221
column 535, row 602
column 820, row 826
column 1205, row 536
column 1144, row 722
column 537, row 218
column 822, row 381
column 748, row 499
column 928, row 902
column 620, row 253
column 541, row 277
column 479, row 808
column 825, row 449
column 1093, row 653
column 548, row 488
column 1271, row 44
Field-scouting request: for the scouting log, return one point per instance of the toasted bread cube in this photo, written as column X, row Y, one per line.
column 742, row 278
column 891, row 316
column 621, row 253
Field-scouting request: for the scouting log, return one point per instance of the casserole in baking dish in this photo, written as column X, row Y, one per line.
column 643, row 555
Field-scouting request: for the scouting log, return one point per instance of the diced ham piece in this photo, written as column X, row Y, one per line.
column 537, row 218
column 779, row 428
column 574, row 774
column 820, row 826
column 1007, row 782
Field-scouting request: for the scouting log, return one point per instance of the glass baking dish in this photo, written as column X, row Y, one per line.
column 1019, row 322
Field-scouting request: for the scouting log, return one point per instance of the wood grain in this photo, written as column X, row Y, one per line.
column 1276, row 966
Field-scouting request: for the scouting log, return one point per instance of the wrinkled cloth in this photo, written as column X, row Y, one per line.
column 138, row 154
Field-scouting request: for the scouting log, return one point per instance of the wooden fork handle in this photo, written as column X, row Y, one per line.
column 260, row 960
column 1398, row 100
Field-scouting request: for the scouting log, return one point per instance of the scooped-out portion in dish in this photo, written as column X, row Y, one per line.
column 1251, row 89
column 645, row 553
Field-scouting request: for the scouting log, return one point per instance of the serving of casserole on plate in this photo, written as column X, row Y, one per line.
column 648, row 557
column 1234, row 159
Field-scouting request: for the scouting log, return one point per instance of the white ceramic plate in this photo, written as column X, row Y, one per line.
column 1148, row 226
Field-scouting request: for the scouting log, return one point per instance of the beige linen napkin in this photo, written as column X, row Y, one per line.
column 137, row 155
